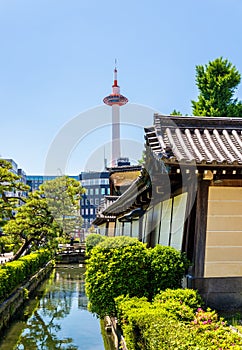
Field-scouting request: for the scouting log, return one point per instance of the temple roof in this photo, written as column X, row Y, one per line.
column 203, row 140
column 206, row 142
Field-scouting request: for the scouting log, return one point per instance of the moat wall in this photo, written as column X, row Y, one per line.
column 16, row 300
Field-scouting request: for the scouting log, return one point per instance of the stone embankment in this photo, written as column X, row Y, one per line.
column 14, row 302
column 111, row 326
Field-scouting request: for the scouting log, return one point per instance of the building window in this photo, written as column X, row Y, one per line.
column 102, row 190
column 97, row 191
column 96, row 201
column 104, row 181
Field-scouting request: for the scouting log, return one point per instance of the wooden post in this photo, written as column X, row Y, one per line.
column 200, row 228
column 189, row 225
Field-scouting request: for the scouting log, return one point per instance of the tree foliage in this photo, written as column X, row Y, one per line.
column 33, row 225
column 63, row 196
column 11, row 191
column 47, row 214
column 217, row 82
column 175, row 112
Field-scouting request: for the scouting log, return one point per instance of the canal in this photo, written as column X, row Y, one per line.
column 56, row 317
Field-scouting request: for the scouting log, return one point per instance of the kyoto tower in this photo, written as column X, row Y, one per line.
column 115, row 99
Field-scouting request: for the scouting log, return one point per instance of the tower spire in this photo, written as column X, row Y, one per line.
column 115, row 81
column 115, row 100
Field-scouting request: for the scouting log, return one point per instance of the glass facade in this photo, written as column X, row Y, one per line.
column 97, row 186
column 34, row 181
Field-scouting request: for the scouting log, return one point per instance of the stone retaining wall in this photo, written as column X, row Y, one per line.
column 112, row 326
column 11, row 305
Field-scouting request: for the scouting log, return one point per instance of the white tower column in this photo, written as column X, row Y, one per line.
column 116, row 148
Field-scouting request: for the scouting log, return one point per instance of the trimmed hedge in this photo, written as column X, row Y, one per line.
column 170, row 322
column 116, row 266
column 125, row 266
column 92, row 240
column 188, row 297
column 14, row 273
column 167, row 268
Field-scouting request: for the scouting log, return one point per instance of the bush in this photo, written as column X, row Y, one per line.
column 156, row 326
column 4, row 289
column 92, row 240
column 189, row 297
column 13, row 273
column 125, row 266
column 116, row 266
column 167, row 268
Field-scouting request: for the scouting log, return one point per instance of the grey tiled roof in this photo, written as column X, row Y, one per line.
column 203, row 140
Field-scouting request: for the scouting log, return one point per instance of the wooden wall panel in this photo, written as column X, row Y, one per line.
column 223, row 254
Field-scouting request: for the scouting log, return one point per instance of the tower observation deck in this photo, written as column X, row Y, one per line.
column 115, row 100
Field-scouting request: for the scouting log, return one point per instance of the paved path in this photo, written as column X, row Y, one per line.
column 5, row 257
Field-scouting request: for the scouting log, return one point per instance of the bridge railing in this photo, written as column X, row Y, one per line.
column 71, row 248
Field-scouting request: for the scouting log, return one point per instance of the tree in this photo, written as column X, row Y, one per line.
column 49, row 213
column 11, row 191
column 63, row 196
column 217, row 82
column 33, row 225
column 175, row 112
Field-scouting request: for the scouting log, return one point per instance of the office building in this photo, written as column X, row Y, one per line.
column 97, row 186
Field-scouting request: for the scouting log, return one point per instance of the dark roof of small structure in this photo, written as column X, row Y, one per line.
column 125, row 178
column 203, row 140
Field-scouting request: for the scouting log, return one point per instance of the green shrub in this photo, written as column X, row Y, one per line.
column 3, row 284
column 92, row 240
column 160, row 325
column 167, row 268
column 16, row 273
column 13, row 273
column 125, row 266
column 116, row 266
column 125, row 303
column 189, row 297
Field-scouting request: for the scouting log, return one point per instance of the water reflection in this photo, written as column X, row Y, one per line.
column 57, row 318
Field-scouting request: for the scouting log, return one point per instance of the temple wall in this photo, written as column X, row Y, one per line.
column 223, row 254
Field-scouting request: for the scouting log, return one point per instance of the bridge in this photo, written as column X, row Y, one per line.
column 70, row 254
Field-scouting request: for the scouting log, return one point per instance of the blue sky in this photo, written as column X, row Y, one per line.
column 57, row 59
